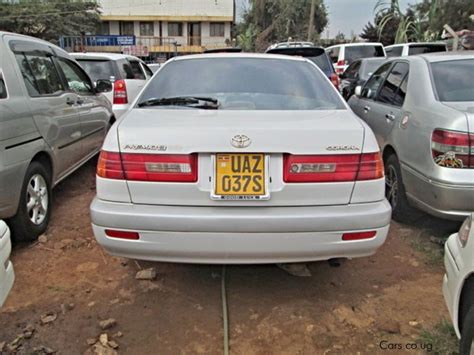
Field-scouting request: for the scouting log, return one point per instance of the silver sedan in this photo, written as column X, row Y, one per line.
column 421, row 109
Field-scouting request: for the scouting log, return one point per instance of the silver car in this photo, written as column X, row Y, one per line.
column 257, row 159
column 52, row 120
column 421, row 111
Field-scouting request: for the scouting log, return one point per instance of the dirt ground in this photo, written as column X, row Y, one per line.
column 363, row 306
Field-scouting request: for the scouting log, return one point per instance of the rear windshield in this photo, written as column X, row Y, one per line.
column 356, row 52
column 423, row 48
column 323, row 63
column 370, row 67
column 246, row 84
column 454, row 80
column 98, row 69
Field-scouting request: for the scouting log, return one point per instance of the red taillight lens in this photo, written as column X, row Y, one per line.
column 453, row 149
column 332, row 168
column 109, row 166
column 122, row 234
column 359, row 235
column 148, row 167
column 335, row 80
column 341, row 63
column 120, row 92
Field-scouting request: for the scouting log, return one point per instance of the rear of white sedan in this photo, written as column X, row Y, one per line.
column 7, row 275
column 240, row 158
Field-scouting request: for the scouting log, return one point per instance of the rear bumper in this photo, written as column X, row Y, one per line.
column 7, row 275
column 450, row 201
column 238, row 235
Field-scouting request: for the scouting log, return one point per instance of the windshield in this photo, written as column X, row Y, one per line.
column 357, row 52
column 246, row 84
column 454, row 80
column 426, row 48
column 97, row 69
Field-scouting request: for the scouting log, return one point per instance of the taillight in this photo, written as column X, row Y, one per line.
column 122, row 234
column 359, row 235
column 464, row 231
column 452, row 149
column 335, row 80
column 332, row 168
column 341, row 63
column 120, row 92
column 148, row 167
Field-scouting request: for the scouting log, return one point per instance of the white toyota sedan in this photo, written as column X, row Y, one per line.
column 458, row 285
column 6, row 267
column 240, row 158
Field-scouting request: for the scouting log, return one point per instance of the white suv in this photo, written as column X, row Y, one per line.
column 342, row 55
column 128, row 74
column 6, row 267
column 402, row 50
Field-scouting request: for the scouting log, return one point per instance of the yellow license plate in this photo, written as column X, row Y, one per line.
column 240, row 175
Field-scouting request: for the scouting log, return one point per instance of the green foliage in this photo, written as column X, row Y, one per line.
column 49, row 19
column 277, row 20
column 442, row 338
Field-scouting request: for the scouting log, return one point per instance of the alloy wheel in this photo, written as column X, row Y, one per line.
column 37, row 199
column 391, row 185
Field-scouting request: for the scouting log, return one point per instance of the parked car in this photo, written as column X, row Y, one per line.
column 458, row 283
column 52, row 120
column 127, row 73
column 291, row 44
column 402, row 50
column 316, row 54
column 281, row 169
column 357, row 74
column 342, row 55
column 7, row 275
column 154, row 67
column 420, row 109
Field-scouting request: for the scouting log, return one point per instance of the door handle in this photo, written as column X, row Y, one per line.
column 390, row 116
column 366, row 108
column 70, row 101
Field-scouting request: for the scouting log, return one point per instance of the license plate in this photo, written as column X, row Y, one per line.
column 240, row 177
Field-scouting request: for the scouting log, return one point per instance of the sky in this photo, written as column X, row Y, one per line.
column 344, row 15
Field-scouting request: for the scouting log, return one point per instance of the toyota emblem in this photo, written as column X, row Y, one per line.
column 240, row 141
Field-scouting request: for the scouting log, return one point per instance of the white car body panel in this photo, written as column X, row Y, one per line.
column 7, row 275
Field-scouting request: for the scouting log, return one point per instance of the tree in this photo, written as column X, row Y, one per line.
column 277, row 20
column 49, row 19
column 386, row 36
column 390, row 11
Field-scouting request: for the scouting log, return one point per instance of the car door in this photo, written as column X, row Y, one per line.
column 93, row 114
column 362, row 105
column 349, row 79
column 386, row 110
column 135, row 83
column 53, row 107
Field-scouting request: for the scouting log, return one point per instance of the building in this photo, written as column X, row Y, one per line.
column 164, row 27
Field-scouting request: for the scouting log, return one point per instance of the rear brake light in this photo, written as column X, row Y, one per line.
column 464, row 231
column 335, row 80
column 332, row 168
column 148, row 167
column 359, row 235
column 122, row 234
column 452, row 149
column 120, row 92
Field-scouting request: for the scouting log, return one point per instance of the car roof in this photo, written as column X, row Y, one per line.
column 417, row 44
column 34, row 39
column 284, row 50
column 446, row 56
column 102, row 55
column 238, row 55
column 357, row 44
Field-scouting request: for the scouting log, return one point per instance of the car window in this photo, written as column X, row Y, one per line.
column 369, row 67
column 76, row 79
column 394, row 51
column 98, row 69
column 389, row 93
column 147, row 69
column 246, row 84
column 3, row 89
column 371, row 87
column 39, row 74
column 352, row 71
column 323, row 62
column 420, row 48
column 137, row 70
column 454, row 80
column 334, row 54
column 357, row 52
column 125, row 69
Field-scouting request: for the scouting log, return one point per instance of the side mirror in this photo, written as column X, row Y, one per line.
column 358, row 91
column 103, row 85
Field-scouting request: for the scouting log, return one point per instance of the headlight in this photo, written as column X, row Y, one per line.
column 464, row 231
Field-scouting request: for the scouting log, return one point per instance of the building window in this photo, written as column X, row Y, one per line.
column 217, row 29
column 146, row 29
column 126, row 28
column 103, row 28
column 175, row 29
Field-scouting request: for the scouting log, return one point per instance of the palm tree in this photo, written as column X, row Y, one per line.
column 389, row 10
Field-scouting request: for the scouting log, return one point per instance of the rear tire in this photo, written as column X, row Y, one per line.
column 395, row 193
column 34, row 210
column 467, row 337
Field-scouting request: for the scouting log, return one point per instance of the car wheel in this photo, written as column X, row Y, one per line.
column 34, row 210
column 467, row 336
column 395, row 192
